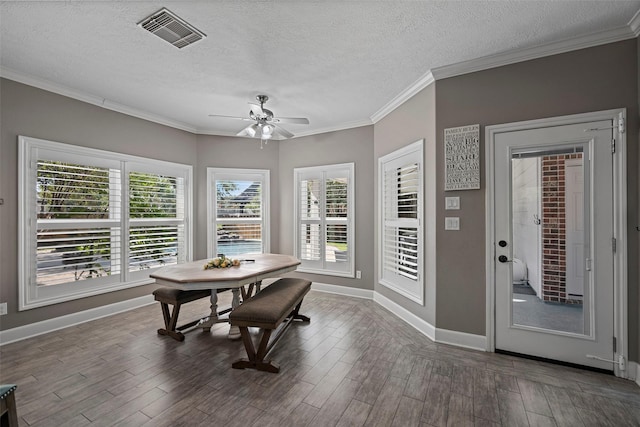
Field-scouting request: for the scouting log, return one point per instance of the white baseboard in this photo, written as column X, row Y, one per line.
column 421, row 325
column 50, row 325
column 342, row 290
column 633, row 372
column 444, row 336
column 461, row 339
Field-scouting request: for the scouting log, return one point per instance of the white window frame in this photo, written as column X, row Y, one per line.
column 30, row 150
column 214, row 174
column 322, row 172
column 412, row 153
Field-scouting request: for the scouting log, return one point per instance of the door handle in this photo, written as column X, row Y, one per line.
column 503, row 258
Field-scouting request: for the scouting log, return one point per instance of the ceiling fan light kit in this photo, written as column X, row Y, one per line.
column 265, row 122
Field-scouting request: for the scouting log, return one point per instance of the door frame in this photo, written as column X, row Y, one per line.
column 617, row 116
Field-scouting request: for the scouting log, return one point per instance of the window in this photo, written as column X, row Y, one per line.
column 400, row 214
column 238, row 211
column 93, row 221
column 324, row 219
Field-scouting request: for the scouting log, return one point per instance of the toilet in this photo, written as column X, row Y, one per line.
column 519, row 272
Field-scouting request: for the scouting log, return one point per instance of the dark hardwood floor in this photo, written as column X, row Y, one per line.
column 354, row 364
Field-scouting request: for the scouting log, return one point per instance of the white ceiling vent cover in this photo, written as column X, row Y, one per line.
column 169, row 27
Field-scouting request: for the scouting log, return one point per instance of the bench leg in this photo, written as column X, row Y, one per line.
column 8, row 407
column 256, row 360
column 297, row 316
column 170, row 322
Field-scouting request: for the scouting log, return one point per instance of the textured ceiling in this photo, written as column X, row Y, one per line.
column 335, row 62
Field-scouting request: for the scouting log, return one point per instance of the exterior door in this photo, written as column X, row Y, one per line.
column 553, row 322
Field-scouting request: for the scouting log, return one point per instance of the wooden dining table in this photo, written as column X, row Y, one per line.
column 252, row 270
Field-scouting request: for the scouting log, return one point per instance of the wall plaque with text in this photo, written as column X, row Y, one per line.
column 462, row 158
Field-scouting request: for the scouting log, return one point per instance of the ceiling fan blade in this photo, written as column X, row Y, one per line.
column 249, row 131
column 257, row 109
column 293, row 120
column 281, row 131
column 231, row 117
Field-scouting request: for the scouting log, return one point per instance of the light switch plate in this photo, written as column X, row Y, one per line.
column 3, row 309
column 451, row 203
column 452, row 223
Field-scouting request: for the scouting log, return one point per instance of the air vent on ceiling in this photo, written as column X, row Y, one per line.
column 171, row 28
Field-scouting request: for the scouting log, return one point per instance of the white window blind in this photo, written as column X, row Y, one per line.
column 400, row 195
column 75, row 216
column 156, row 212
column 239, row 211
column 78, row 209
column 324, row 215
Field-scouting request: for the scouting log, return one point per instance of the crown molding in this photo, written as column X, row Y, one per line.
column 402, row 97
column 90, row 98
column 634, row 24
column 526, row 54
column 343, row 126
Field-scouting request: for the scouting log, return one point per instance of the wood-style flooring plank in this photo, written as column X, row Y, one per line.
column 562, row 409
column 384, row 408
column 460, row 411
column 436, row 404
column 512, row 409
column 355, row 415
column 408, row 413
column 534, row 397
column 332, row 410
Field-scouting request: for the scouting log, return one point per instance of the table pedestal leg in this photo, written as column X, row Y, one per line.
column 234, row 331
column 213, row 317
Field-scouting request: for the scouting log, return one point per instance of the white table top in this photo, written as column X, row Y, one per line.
column 192, row 275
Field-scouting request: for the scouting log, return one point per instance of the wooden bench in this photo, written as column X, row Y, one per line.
column 8, row 405
column 177, row 297
column 274, row 305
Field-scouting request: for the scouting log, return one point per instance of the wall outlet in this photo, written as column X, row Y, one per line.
column 3, row 308
column 358, row 274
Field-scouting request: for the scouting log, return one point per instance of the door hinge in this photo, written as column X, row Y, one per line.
column 613, row 243
column 613, row 145
column 615, row 345
column 587, row 264
column 621, row 124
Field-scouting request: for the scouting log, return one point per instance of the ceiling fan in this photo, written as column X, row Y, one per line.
column 266, row 125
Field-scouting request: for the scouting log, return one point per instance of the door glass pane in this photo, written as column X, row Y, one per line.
column 549, row 199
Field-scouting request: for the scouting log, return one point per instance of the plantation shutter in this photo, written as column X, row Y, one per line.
column 310, row 223
column 239, row 211
column 156, row 220
column 77, row 211
column 401, row 234
column 324, row 213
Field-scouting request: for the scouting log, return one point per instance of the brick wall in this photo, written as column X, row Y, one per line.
column 554, row 258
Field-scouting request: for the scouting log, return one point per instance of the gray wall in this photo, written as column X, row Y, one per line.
column 634, row 314
column 414, row 120
column 25, row 110
column 351, row 145
column 229, row 152
column 594, row 79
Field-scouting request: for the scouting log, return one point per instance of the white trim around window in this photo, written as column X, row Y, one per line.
column 400, row 221
column 324, row 237
column 93, row 221
column 238, row 214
